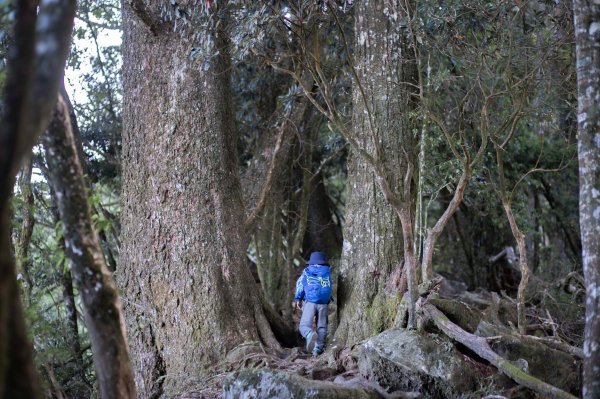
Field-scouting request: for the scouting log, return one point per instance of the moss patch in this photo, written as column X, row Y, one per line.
column 382, row 312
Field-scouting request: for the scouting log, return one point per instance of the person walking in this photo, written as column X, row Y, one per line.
column 313, row 294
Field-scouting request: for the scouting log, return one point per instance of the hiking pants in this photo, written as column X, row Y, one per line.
column 309, row 310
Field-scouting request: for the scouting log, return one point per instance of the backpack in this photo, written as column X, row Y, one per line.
column 317, row 284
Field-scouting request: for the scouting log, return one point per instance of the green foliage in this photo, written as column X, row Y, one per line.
column 482, row 63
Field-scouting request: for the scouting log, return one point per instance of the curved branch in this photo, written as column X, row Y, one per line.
column 438, row 228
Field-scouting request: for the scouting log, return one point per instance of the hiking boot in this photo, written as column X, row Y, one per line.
column 317, row 351
column 311, row 340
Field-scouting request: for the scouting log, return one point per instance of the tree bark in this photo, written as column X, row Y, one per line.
column 102, row 305
column 587, row 36
column 35, row 69
column 438, row 228
column 374, row 242
column 189, row 295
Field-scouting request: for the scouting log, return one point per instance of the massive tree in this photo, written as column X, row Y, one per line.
column 587, row 35
column 382, row 126
column 188, row 295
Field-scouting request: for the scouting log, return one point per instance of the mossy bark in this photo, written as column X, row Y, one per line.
column 460, row 313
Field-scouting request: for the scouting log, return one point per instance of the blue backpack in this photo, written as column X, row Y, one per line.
column 314, row 285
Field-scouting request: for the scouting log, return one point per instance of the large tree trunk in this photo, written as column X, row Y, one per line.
column 189, row 295
column 587, row 35
column 373, row 235
column 102, row 305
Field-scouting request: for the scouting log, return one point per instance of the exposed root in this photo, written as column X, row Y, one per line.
column 480, row 346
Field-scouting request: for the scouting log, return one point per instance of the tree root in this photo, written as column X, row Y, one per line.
column 480, row 346
column 558, row 345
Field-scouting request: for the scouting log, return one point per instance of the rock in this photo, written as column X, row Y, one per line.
column 264, row 383
column 552, row 366
column 485, row 329
column 410, row 361
column 451, row 288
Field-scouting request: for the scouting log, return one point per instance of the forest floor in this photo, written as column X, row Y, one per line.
column 477, row 328
column 291, row 360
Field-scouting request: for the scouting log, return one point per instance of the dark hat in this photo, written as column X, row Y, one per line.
column 318, row 258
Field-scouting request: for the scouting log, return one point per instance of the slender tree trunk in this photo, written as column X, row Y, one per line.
column 434, row 233
column 66, row 280
column 523, row 267
column 374, row 242
column 103, row 313
column 587, row 35
column 34, row 70
column 189, row 295
column 519, row 238
column 26, row 232
column 106, row 249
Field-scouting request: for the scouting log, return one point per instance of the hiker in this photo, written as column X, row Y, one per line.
column 314, row 288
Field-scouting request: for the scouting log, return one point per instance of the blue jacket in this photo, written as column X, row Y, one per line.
column 314, row 285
